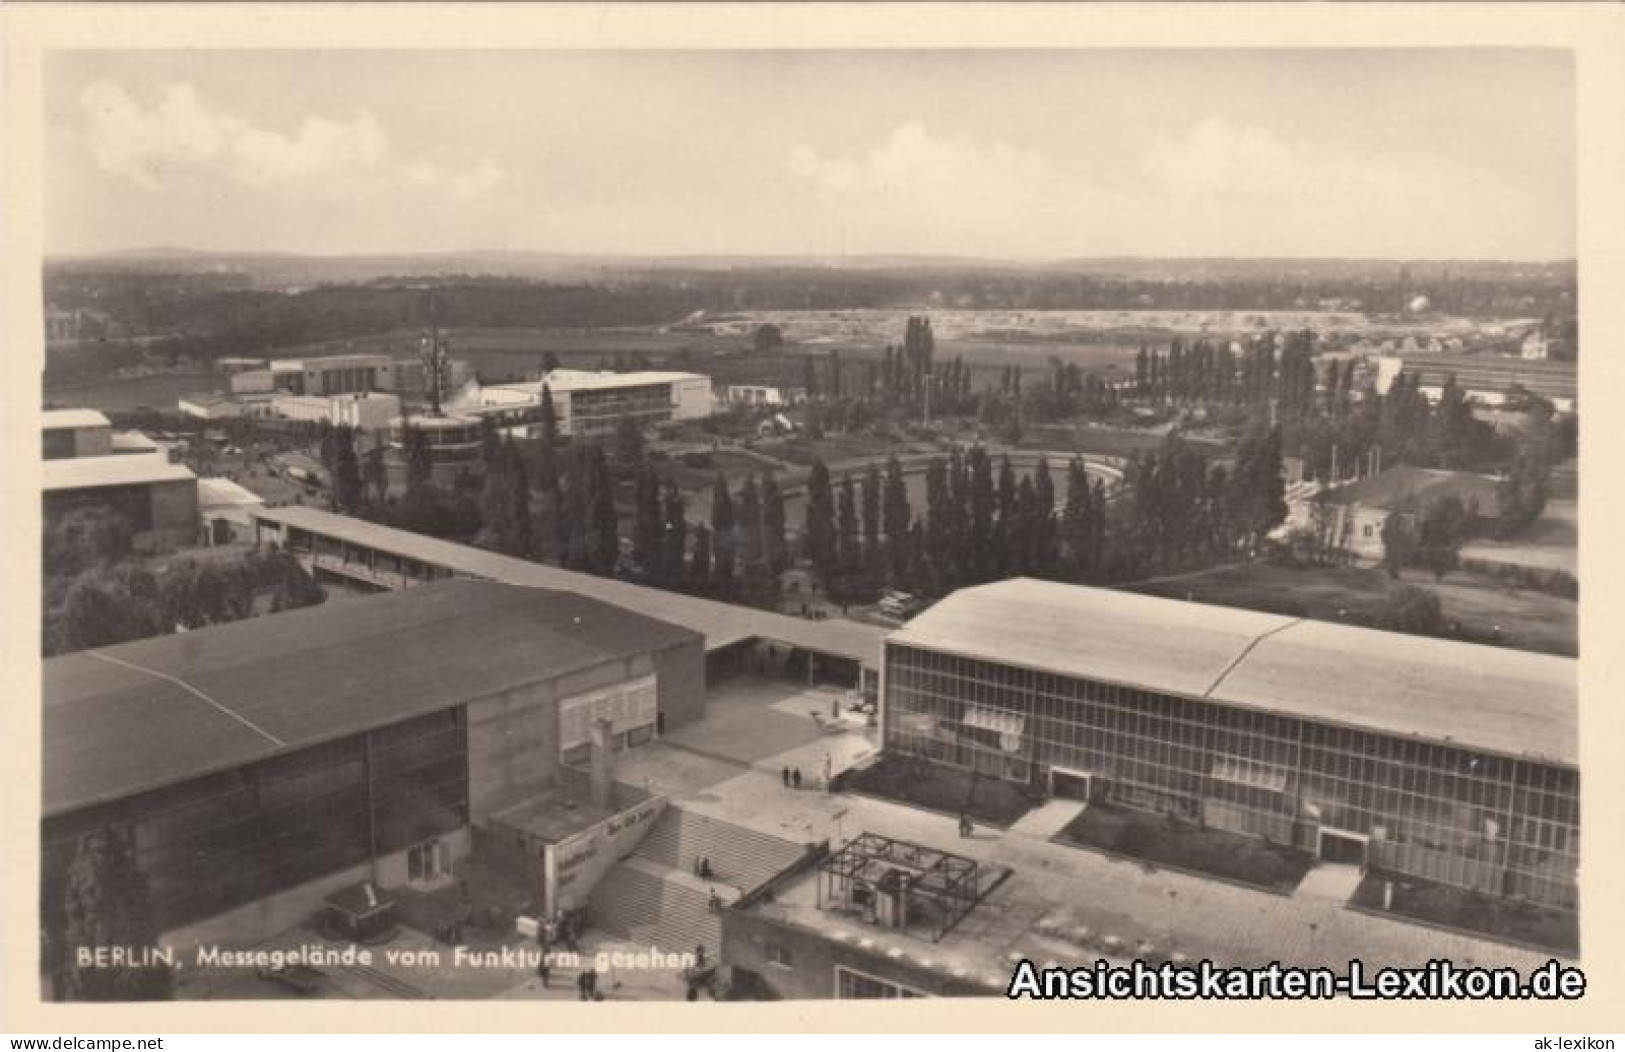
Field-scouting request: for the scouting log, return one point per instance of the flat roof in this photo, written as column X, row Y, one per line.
column 62, row 419
column 130, row 442
column 1490, row 698
column 118, row 469
column 327, row 361
column 722, row 624
column 218, row 492
column 561, row 380
column 125, row 719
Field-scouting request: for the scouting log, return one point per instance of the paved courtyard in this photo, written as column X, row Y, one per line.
column 1185, row 913
column 749, row 719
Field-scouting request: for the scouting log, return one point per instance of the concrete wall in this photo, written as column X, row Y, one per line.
column 175, row 522
column 577, row 863
column 260, row 920
column 680, row 672
column 513, row 747
column 513, row 737
column 692, row 399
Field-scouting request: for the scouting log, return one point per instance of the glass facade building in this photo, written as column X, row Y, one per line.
column 1443, row 812
column 598, row 412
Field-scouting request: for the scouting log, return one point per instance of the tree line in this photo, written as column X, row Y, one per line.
column 97, row 593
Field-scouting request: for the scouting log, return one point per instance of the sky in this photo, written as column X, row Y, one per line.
column 1028, row 155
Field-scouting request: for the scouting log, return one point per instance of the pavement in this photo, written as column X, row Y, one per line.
column 729, row 766
column 1197, row 916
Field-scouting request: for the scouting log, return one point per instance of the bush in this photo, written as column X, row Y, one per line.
column 1412, row 609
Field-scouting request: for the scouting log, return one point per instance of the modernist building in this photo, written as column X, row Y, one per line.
column 72, row 433
column 1486, row 378
column 260, row 766
column 589, row 404
column 1451, row 762
column 88, row 464
column 361, row 410
column 737, row 638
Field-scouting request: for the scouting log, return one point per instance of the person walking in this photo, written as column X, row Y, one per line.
column 787, row 776
column 795, row 777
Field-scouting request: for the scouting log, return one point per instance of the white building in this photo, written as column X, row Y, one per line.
column 754, row 395
column 362, row 410
column 226, row 509
column 587, row 404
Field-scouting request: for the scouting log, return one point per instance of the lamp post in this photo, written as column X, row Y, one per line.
column 1173, row 896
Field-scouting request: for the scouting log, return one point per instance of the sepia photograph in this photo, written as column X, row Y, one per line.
column 806, row 523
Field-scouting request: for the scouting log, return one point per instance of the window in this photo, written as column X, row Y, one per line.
column 428, row 861
column 856, row 986
column 779, row 956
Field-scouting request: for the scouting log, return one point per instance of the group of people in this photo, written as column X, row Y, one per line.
column 792, row 778
column 561, row 930
column 702, row 867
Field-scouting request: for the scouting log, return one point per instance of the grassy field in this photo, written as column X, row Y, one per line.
column 1182, row 845
column 1551, row 542
column 943, row 789
column 122, row 395
column 1478, row 604
column 1464, row 910
column 690, row 472
column 503, row 355
column 1105, row 441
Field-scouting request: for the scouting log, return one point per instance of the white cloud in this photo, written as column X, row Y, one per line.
column 914, row 167
column 1216, row 162
column 181, row 132
column 953, row 195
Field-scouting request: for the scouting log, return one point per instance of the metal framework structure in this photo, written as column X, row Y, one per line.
column 897, row 882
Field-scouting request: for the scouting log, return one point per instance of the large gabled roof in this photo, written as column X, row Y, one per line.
column 1490, row 698
column 138, row 716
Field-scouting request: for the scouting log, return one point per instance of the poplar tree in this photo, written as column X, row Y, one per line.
column 818, row 534
column 724, row 538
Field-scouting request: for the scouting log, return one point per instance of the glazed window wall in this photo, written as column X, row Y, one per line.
column 597, row 412
column 1448, row 814
column 218, row 842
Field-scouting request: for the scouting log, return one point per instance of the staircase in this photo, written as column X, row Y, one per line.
column 741, row 858
column 653, row 898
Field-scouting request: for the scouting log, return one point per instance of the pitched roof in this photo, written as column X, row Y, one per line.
column 124, row 719
column 1491, row 698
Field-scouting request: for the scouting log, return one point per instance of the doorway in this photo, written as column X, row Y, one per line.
column 1336, row 845
column 1071, row 785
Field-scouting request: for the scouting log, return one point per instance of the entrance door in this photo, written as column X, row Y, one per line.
column 428, row 861
column 1337, row 846
column 1073, row 785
